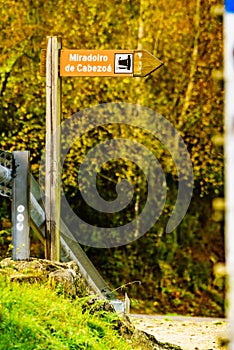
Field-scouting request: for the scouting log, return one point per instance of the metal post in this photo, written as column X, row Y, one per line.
column 229, row 155
column 20, row 206
column 52, row 162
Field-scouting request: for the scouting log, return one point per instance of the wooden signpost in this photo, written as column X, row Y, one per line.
column 52, row 156
column 57, row 63
column 107, row 63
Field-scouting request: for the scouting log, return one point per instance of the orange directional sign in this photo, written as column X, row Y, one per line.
column 107, row 63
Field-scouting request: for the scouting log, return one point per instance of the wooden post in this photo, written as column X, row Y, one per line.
column 52, row 161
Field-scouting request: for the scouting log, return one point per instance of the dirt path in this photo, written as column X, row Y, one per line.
column 187, row 332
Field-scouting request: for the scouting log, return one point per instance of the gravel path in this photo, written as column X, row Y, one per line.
column 190, row 333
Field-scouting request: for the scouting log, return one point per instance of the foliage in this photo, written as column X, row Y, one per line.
column 186, row 37
column 171, row 32
column 33, row 317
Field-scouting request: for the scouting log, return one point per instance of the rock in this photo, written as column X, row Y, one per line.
column 63, row 281
column 95, row 305
column 30, row 278
column 64, row 278
column 143, row 340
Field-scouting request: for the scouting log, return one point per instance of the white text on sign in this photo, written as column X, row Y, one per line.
column 96, row 63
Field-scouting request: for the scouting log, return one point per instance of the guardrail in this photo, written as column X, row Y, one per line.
column 28, row 211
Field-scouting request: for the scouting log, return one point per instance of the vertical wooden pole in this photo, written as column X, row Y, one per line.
column 20, row 206
column 52, row 162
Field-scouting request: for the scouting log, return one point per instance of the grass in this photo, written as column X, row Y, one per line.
column 34, row 317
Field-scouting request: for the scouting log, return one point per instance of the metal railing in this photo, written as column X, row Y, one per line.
column 16, row 187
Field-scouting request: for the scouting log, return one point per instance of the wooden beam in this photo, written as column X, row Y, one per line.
column 145, row 63
column 52, row 158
